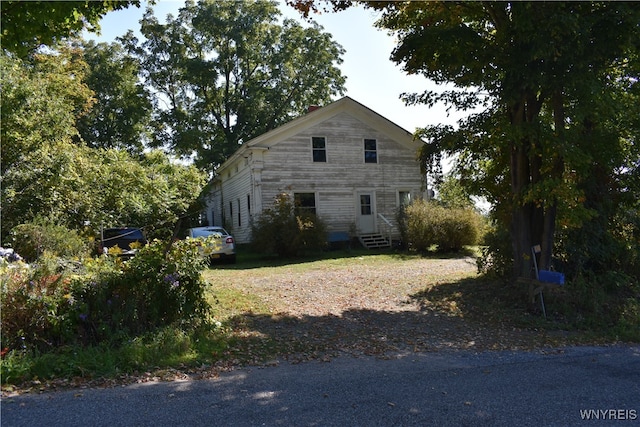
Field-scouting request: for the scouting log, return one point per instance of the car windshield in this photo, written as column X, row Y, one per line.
column 204, row 232
column 127, row 233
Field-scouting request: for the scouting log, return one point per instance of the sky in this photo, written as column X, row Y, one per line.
column 372, row 78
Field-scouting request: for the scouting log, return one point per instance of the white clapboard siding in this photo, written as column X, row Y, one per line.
column 234, row 201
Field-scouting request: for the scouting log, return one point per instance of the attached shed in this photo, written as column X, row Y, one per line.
column 348, row 164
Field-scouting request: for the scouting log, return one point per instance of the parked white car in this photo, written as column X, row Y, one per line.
column 217, row 243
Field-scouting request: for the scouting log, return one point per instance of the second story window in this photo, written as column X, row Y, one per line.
column 370, row 151
column 319, row 146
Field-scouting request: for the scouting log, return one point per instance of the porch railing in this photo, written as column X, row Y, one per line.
column 387, row 228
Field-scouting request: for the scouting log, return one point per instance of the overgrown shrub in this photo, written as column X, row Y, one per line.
column 151, row 290
column 37, row 304
column 281, row 231
column 497, row 254
column 30, row 240
column 427, row 223
column 53, row 303
column 602, row 267
column 600, row 263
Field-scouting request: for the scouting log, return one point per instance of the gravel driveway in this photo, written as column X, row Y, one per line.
column 366, row 283
column 365, row 307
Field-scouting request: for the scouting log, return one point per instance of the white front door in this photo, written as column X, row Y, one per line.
column 366, row 216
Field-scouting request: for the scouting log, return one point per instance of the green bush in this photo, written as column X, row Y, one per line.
column 426, row 224
column 280, row 230
column 37, row 304
column 497, row 254
column 151, row 290
column 30, row 240
column 53, row 303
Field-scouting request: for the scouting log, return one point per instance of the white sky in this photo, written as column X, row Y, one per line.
column 372, row 78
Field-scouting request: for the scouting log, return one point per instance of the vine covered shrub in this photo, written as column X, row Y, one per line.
column 32, row 239
column 282, row 231
column 53, row 303
column 497, row 254
column 38, row 306
column 151, row 290
column 426, row 224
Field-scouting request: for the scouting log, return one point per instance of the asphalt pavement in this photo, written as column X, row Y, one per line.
column 575, row 386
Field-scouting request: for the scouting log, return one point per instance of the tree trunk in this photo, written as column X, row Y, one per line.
column 557, row 170
column 548, row 236
column 527, row 218
column 521, row 214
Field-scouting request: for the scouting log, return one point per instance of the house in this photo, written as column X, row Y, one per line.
column 344, row 162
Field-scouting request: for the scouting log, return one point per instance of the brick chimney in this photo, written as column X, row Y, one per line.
column 312, row 108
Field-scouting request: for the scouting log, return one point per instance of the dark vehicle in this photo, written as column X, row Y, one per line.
column 128, row 240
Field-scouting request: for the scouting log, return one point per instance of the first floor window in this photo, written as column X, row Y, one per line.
column 304, row 203
column 404, row 198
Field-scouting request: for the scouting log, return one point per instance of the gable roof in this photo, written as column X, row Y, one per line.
column 318, row 115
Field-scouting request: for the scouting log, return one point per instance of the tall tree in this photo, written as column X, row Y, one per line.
column 543, row 67
column 26, row 25
column 121, row 115
column 226, row 71
column 47, row 173
column 452, row 193
column 42, row 98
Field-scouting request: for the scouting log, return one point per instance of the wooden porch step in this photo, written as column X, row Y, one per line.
column 374, row 241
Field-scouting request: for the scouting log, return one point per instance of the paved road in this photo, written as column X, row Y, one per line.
column 541, row 388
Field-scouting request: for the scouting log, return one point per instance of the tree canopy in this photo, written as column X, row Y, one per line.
column 42, row 98
column 121, row 114
column 548, row 74
column 26, row 25
column 226, row 71
column 73, row 185
column 49, row 173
